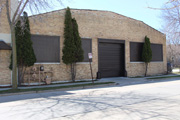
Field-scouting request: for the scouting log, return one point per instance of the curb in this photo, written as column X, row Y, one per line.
column 19, row 93
column 60, row 89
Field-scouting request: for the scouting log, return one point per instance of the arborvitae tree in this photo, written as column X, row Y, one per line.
column 69, row 45
column 28, row 56
column 147, row 53
column 79, row 53
column 25, row 52
column 72, row 50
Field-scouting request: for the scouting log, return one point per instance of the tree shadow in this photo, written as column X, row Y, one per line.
column 4, row 99
column 81, row 104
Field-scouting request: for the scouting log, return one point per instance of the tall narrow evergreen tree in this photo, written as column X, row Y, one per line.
column 28, row 56
column 147, row 53
column 79, row 53
column 72, row 50
column 25, row 52
column 69, row 45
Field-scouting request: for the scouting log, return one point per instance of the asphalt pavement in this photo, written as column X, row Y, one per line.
column 136, row 99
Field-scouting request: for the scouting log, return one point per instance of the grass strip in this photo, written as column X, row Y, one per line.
column 164, row 77
column 137, row 77
column 52, row 88
column 82, row 81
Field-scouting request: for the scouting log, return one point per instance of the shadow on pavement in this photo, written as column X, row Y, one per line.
column 120, row 82
column 32, row 96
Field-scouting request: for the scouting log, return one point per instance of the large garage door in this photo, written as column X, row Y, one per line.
column 111, row 59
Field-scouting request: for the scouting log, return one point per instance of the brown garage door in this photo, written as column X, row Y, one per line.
column 111, row 59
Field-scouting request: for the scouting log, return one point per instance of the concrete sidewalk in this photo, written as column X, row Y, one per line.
column 65, row 86
column 53, row 85
column 120, row 81
column 117, row 80
column 58, row 85
column 123, row 81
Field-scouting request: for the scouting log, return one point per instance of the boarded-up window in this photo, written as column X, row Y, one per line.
column 157, row 52
column 87, row 47
column 46, row 48
column 136, row 52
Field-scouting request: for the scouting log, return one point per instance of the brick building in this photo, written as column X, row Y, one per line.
column 5, row 42
column 114, row 40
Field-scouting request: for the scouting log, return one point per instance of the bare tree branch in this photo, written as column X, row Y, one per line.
column 14, row 15
column 8, row 13
column 171, row 27
column 22, row 9
column 16, row 12
column 171, row 4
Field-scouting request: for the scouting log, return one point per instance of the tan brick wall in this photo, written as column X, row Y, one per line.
column 4, row 25
column 5, row 73
column 100, row 24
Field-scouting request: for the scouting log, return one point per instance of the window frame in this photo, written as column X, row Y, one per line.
column 86, row 62
column 59, row 49
column 132, row 61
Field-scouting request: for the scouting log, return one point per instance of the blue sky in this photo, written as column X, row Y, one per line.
column 136, row 9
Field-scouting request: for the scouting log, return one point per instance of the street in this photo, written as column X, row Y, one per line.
column 147, row 101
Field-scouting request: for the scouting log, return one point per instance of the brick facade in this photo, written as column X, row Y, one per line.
column 4, row 25
column 99, row 24
column 5, row 73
